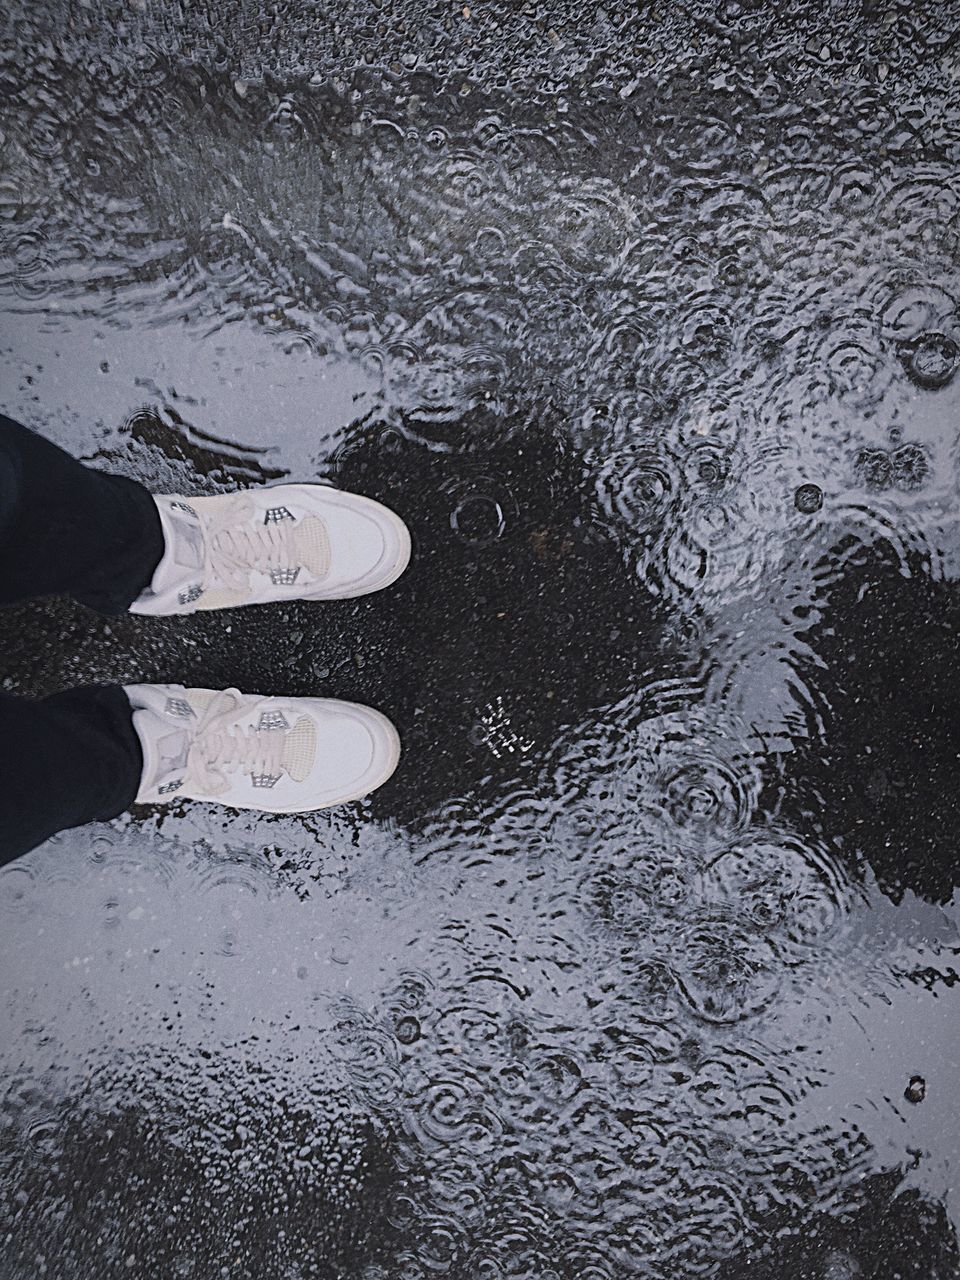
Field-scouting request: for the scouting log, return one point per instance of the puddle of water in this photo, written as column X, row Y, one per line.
column 645, row 961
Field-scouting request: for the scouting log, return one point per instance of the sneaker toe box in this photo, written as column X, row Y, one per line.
column 369, row 545
column 357, row 749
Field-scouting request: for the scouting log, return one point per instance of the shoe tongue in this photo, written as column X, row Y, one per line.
column 300, row 749
column 164, row 753
column 181, row 565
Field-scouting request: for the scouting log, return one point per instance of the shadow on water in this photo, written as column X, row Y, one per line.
column 880, row 769
column 886, row 1232
column 518, row 615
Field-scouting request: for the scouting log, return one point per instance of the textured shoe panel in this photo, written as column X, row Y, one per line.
column 179, row 708
column 190, row 594
column 209, row 504
column 265, row 781
column 300, row 749
column 313, row 546
column 200, row 699
column 223, row 598
column 273, row 515
column 272, row 721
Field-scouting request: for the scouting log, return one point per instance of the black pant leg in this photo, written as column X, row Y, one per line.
column 64, row 761
column 66, row 529
column 9, row 490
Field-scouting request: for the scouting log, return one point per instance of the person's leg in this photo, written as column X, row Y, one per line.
column 68, row 529
column 103, row 539
column 64, row 761
column 9, row 488
column 89, row 754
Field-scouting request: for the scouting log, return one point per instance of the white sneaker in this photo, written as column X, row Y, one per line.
column 279, row 755
column 285, row 542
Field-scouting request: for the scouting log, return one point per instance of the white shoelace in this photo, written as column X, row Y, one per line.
column 220, row 746
column 237, row 547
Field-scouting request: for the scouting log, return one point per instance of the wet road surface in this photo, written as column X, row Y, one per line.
column 648, row 323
